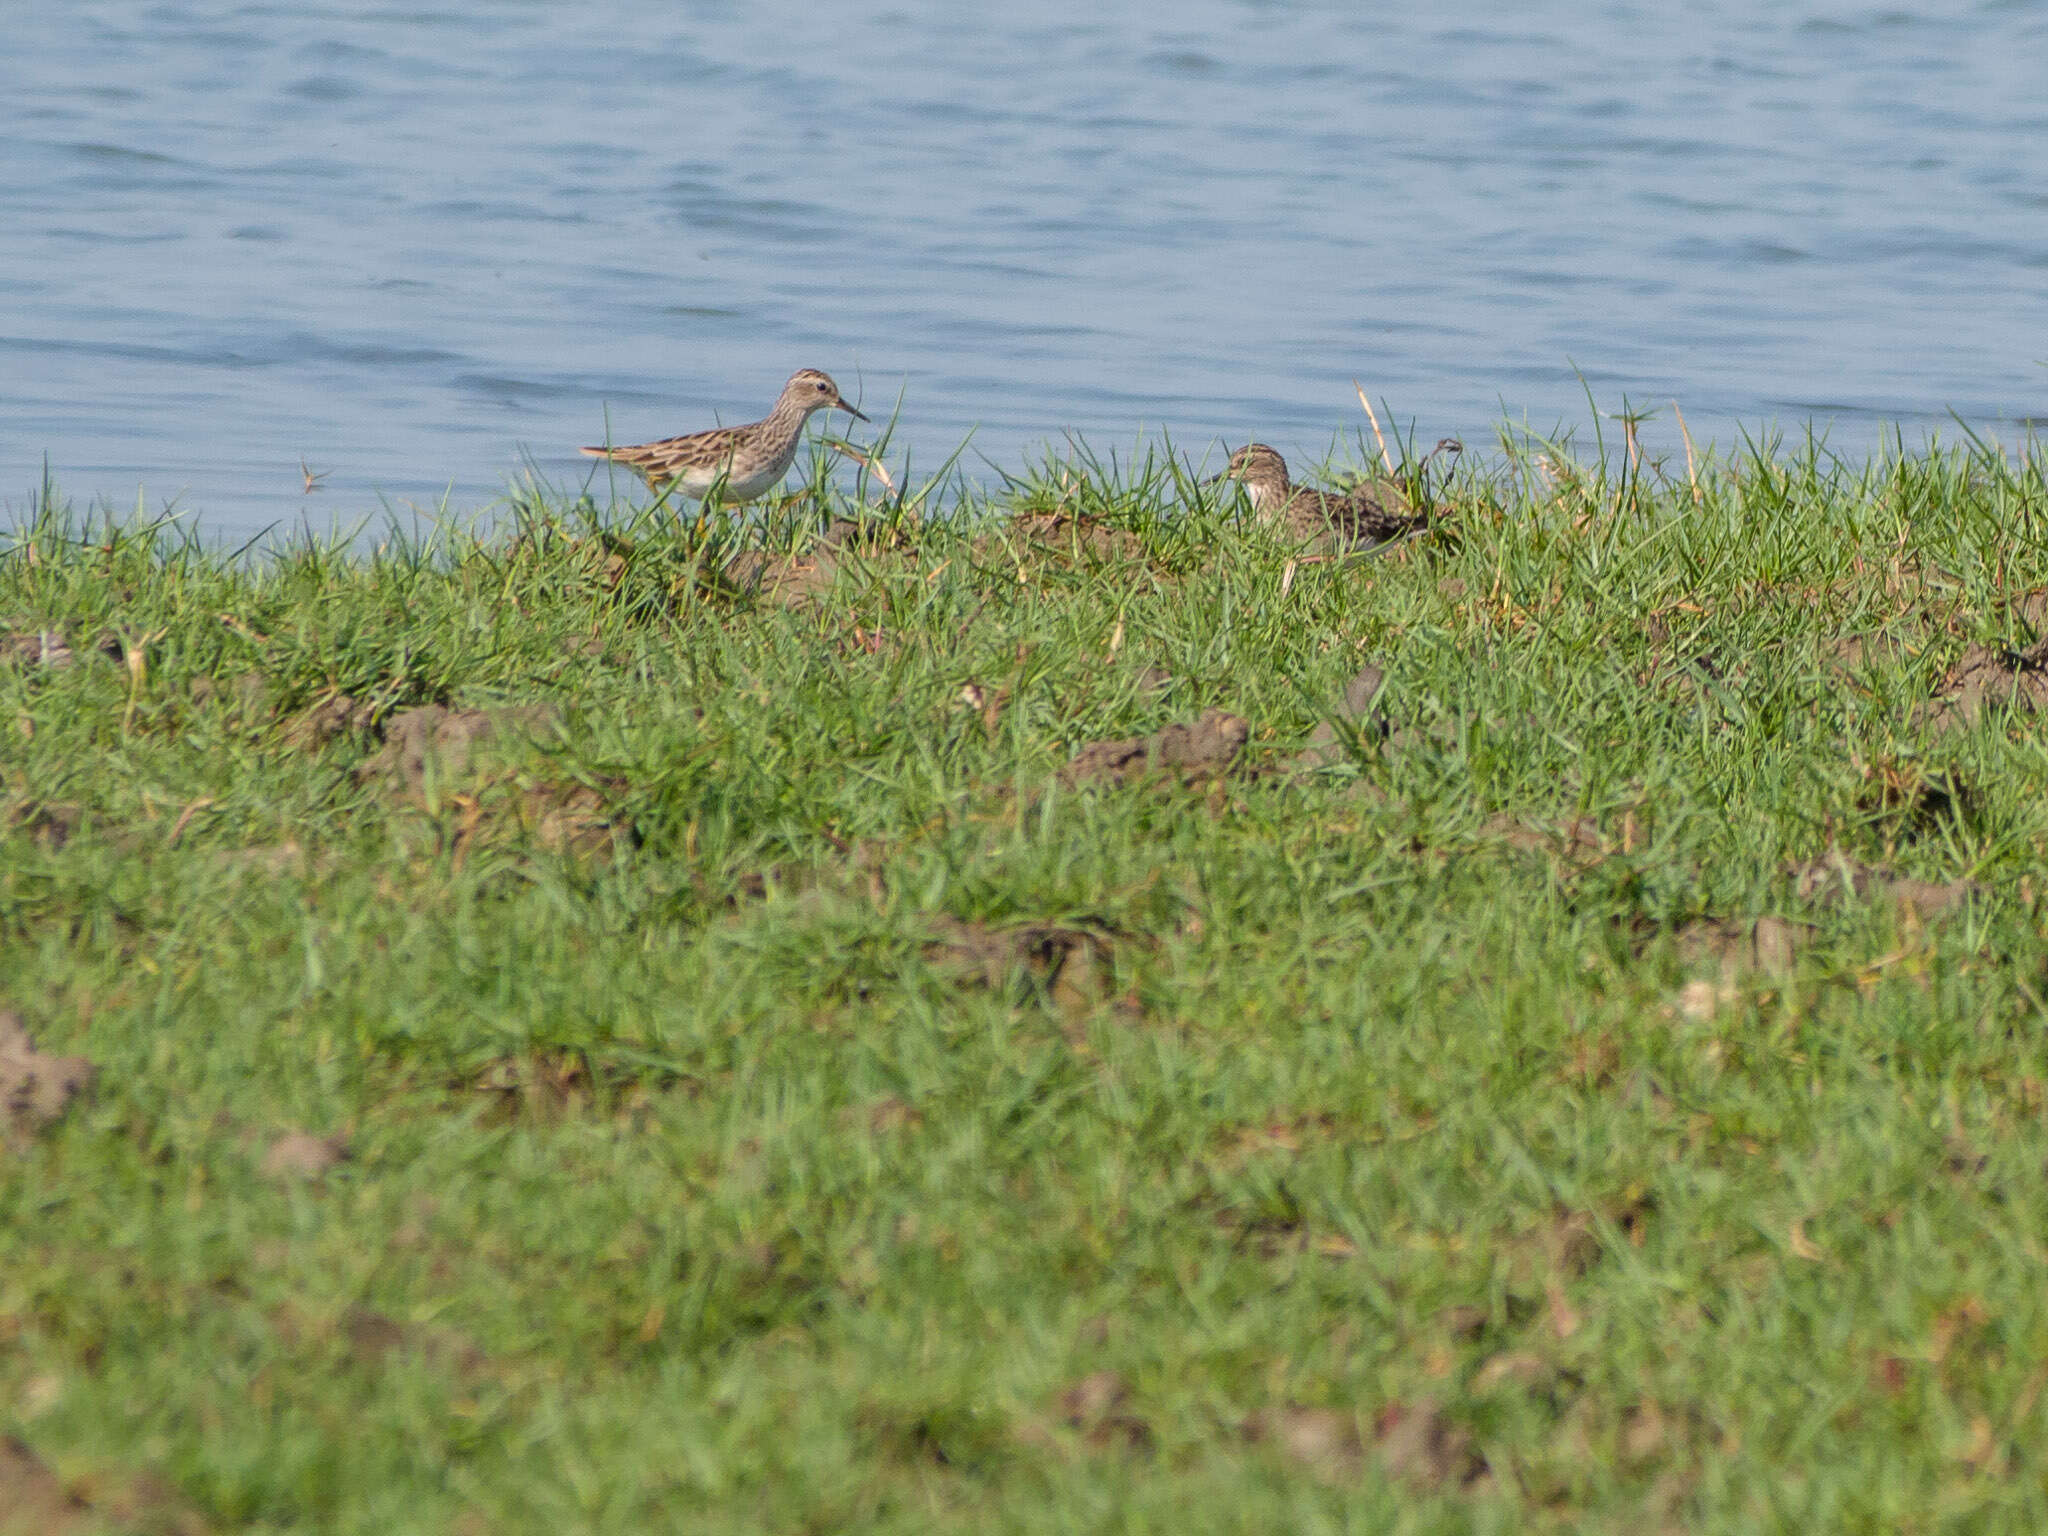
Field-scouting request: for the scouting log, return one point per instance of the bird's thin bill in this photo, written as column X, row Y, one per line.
column 856, row 415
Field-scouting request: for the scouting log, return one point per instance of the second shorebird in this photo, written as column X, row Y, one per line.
column 1376, row 512
column 741, row 462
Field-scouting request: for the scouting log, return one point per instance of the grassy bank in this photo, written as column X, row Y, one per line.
column 616, row 1031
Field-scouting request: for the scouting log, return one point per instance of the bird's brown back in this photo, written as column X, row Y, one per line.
column 667, row 459
column 1371, row 513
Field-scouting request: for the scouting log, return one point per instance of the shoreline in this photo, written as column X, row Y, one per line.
column 1347, row 452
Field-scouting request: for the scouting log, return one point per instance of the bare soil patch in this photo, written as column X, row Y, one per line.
column 1067, row 964
column 34, row 648
column 791, row 581
column 1097, row 1407
column 546, row 1085
column 1207, row 748
column 49, row 823
column 1091, row 1414
column 1737, row 946
column 34, row 1501
column 35, row 1089
column 1857, row 653
column 1837, row 880
column 436, row 740
column 300, row 1156
column 1417, row 1443
column 1576, row 843
column 1354, row 717
column 1905, row 799
column 434, row 747
column 327, row 719
column 2028, row 612
column 245, row 698
column 882, row 1117
column 371, row 1340
column 1282, row 1135
column 796, row 580
column 275, row 861
column 1988, row 679
column 1063, row 533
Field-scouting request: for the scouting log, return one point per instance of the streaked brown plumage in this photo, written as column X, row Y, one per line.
column 1372, row 513
column 743, row 462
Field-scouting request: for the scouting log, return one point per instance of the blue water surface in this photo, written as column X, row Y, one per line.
column 417, row 249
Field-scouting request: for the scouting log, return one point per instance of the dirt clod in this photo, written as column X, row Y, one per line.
column 797, row 579
column 1066, row 533
column 1645, row 1431
column 1417, row 1443
column 436, row 740
column 1324, row 1440
column 569, row 819
column 372, row 1339
column 1098, row 1406
column 1420, row 1444
column 541, row 1084
column 884, row 1117
column 1837, row 881
column 1567, row 1243
column 327, row 719
column 245, row 696
column 1354, row 714
column 34, row 1501
column 369, row 1338
column 1466, row 1321
column 1094, row 1395
column 993, row 956
column 1577, row 843
column 302, row 1155
column 1207, row 747
column 35, row 1089
column 445, row 748
column 1988, row 678
column 1769, row 944
column 1097, row 1409
column 371, row 1335
column 1521, row 1368
column 51, row 825
column 34, row 648
column 1861, row 652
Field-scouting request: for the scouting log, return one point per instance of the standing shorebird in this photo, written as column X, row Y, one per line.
column 740, row 462
column 1376, row 512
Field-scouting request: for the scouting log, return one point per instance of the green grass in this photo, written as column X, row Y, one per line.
column 1404, row 1159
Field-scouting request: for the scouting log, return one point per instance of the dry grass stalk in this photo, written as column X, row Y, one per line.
column 872, row 463
column 1692, row 473
column 1385, row 457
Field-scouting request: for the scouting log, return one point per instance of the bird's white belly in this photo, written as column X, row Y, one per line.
column 740, row 485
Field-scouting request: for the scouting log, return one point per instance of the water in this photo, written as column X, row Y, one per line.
column 414, row 248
